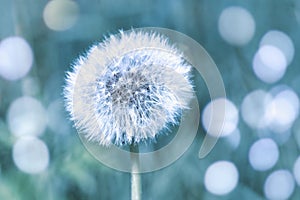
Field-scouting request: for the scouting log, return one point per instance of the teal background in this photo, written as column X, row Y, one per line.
column 72, row 172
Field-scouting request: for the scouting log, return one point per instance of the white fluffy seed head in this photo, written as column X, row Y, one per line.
column 128, row 88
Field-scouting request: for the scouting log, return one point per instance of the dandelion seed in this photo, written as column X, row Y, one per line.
column 128, row 88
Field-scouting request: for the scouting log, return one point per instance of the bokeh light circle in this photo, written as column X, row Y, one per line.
column 275, row 110
column 229, row 123
column 253, row 108
column 296, row 170
column 26, row 116
column 236, row 25
column 269, row 64
column 279, row 185
column 280, row 40
column 221, row 177
column 30, row 155
column 263, row 154
column 282, row 111
column 16, row 58
column 60, row 15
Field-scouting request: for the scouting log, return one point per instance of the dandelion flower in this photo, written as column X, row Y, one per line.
column 128, row 88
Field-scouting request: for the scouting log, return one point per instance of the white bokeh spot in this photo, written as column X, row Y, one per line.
column 296, row 170
column 282, row 111
column 253, row 108
column 279, row 185
column 31, row 155
column 229, row 123
column 221, row 177
column 263, row 154
column 280, row 40
column 16, row 58
column 60, row 15
column 236, row 26
column 269, row 64
column 26, row 116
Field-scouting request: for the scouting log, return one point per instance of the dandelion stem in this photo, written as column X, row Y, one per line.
column 136, row 187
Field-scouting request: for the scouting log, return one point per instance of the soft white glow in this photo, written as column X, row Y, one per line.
column 236, row 25
column 16, row 58
column 269, row 64
column 296, row 170
column 253, row 108
column 282, row 111
column 221, row 177
column 276, row 111
column 263, row 154
column 291, row 97
column 229, row 121
column 60, row 15
column 280, row 40
column 279, row 185
column 26, row 116
column 30, row 155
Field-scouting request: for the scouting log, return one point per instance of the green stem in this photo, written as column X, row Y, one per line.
column 136, row 186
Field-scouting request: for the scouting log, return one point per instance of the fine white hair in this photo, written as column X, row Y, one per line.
column 128, row 88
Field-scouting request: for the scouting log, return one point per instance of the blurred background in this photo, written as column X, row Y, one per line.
column 255, row 45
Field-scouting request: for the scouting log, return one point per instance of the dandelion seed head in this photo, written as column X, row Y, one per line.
column 128, row 88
